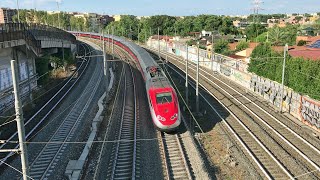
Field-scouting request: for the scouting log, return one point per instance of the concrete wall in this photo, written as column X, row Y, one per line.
column 6, row 55
column 301, row 107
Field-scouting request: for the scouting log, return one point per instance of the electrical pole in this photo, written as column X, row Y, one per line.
column 112, row 43
column 58, row 14
column 212, row 53
column 105, row 64
column 150, row 31
column 20, row 121
column 138, row 34
column 197, row 85
column 186, row 85
column 18, row 11
column 283, row 69
column 145, row 36
column 109, row 39
column 166, row 48
column 159, row 42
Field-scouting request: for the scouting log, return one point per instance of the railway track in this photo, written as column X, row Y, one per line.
column 174, row 157
column 123, row 129
column 280, row 146
column 45, row 162
column 123, row 165
column 34, row 122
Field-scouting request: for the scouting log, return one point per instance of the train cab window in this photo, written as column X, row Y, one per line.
column 164, row 98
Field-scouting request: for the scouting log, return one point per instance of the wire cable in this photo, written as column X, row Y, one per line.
column 14, row 168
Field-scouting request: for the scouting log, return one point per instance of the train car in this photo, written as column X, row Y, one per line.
column 162, row 98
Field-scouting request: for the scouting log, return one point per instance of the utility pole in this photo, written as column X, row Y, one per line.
column 150, row 31
column 283, row 69
column 105, row 64
column 58, row 14
column 159, row 42
column 186, row 85
column 64, row 63
column 112, row 43
column 197, row 85
column 20, row 121
column 212, row 53
column 145, row 36
column 18, row 11
column 166, row 48
column 109, row 39
column 138, row 34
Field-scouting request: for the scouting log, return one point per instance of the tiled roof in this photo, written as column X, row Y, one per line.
column 234, row 45
column 313, row 54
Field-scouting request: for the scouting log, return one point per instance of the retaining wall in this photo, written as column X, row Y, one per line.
column 300, row 106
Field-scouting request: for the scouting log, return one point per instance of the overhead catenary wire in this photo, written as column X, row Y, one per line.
column 14, row 168
column 38, row 97
column 193, row 117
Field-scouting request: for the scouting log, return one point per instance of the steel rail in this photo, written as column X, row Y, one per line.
column 257, row 161
column 302, row 154
column 46, row 115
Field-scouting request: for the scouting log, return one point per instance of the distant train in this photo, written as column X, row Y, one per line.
column 162, row 98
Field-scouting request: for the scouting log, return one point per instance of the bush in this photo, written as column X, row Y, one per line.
column 242, row 45
column 301, row 75
column 302, row 43
column 221, row 47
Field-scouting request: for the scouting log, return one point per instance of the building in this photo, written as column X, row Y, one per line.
column 6, row 15
column 53, row 12
column 276, row 22
column 117, row 17
column 307, row 53
column 206, row 33
column 240, row 24
column 105, row 19
column 80, row 16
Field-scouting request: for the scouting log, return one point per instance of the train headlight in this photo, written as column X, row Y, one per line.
column 174, row 116
column 160, row 118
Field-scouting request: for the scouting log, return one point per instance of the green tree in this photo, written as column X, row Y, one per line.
column 242, row 45
column 301, row 75
column 222, row 47
column 254, row 30
column 277, row 36
column 227, row 27
column 262, row 37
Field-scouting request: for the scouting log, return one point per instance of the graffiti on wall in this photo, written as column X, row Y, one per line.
column 242, row 78
column 310, row 111
column 225, row 70
column 271, row 91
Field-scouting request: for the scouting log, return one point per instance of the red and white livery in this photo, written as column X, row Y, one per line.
column 162, row 98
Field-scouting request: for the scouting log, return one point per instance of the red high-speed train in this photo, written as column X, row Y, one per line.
column 162, row 98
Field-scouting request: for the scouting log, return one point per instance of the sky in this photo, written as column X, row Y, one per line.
column 168, row 7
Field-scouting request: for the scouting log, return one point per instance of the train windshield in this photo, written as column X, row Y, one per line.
column 164, row 98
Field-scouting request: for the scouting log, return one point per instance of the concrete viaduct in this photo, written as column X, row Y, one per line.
column 24, row 43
